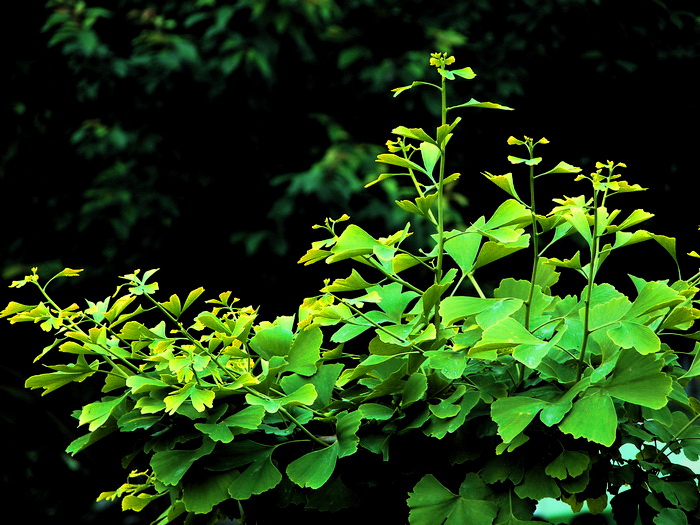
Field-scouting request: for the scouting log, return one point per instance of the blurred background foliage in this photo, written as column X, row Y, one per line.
column 206, row 137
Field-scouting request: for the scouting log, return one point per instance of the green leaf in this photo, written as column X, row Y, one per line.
column 173, row 305
column 555, row 412
column 463, row 248
column 403, row 261
column 634, row 218
column 249, row 418
column 493, row 251
column 476, row 104
column 191, row 298
column 574, row 262
column 315, row 468
column 537, row 485
column 141, row 384
column 579, row 220
column 465, row 72
column 444, row 132
column 431, row 297
column 628, row 334
column 83, row 442
column 430, row 503
column 593, row 418
column 529, row 162
column 440, row 427
column 562, row 167
column 606, row 311
column 259, row 477
column 14, row 308
column 505, row 182
column 531, row 355
column 414, row 389
column 141, row 287
column 201, row 496
column 423, row 204
column 135, row 420
column 568, row 464
column 457, row 307
column 213, row 323
column 655, row 295
column 138, row 503
column 638, row 379
column 74, row 372
column 683, row 494
column 97, row 413
column 375, row 411
column 202, row 398
column 506, row 333
column 199, row 397
column 305, row 352
column 272, row 341
column 354, row 241
column 346, row 427
column 671, row 517
column 694, row 368
column 395, row 160
column 394, row 300
column 513, row 510
column 397, row 91
column 450, row 363
column 305, row 395
column 510, row 212
column 349, row 284
column 171, row 465
column 505, row 306
column 410, row 207
column 444, row 409
column 150, row 405
column 67, row 272
column 431, row 155
column 514, row 414
column 413, row 133
column 216, row 431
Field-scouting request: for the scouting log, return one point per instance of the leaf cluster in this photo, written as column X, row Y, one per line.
column 405, row 376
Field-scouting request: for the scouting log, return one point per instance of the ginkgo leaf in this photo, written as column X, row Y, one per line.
column 514, row 414
column 431, row 503
column 260, row 476
column 97, row 413
column 315, row 468
column 413, row 133
column 473, row 103
column 593, row 417
column 638, row 379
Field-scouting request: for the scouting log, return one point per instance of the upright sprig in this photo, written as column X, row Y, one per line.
column 605, row 183
column 531, row 161
column 433, row 152
column 506, row 183
column 591, row 219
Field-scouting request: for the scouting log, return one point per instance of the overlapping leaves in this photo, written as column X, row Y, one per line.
column 522, row 393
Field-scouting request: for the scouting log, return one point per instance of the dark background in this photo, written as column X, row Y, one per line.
column 206, row 138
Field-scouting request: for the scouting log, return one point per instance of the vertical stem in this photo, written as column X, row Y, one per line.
column 591, row 281
column 535, row 255
column 441, row 202
column 441, row 196
column 535, row 246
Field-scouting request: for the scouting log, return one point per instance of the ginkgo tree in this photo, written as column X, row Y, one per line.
column 407, row 391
